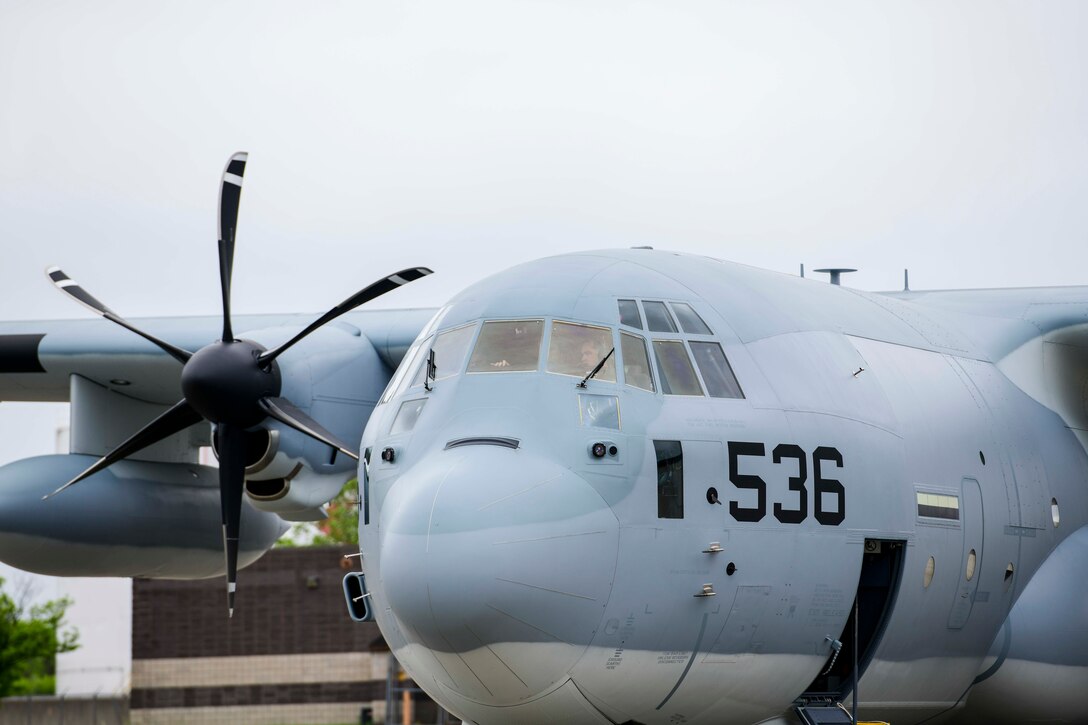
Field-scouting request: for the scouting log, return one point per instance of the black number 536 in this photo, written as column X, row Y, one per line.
column 796, row 510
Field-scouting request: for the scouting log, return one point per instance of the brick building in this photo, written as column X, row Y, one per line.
column 290, row 653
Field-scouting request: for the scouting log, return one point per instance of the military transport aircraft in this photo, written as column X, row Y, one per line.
column 621, row 486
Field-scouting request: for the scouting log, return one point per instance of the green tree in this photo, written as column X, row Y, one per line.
column 341, row 526
column 30, row 640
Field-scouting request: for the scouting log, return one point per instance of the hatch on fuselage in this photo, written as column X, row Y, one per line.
column 878, row 584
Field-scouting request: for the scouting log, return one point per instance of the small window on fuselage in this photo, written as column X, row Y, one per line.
column 507, row 346
column 670, row 479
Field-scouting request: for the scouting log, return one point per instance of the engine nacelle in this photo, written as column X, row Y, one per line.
column 337, row 382
column 287, row 484
column 134, row 519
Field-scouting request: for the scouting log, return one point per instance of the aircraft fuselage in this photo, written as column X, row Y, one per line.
column 682, row 540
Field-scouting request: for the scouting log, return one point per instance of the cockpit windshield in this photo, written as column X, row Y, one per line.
column 507, row 346
column 576, row 350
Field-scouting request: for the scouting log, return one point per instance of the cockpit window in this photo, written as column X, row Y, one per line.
column 406, row 364
column 507, row 346
column 576, row 350
column 629, row 314
column 658, row 318
column 636, row 363
column 677, row 374
column 690, row 320
column 407, row 415
column 670, row 479
column 449, row 354
column 717, row 373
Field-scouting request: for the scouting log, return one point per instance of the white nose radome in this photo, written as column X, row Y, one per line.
column 497, row 566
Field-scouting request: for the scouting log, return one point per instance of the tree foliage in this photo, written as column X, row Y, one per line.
column 30, row 639
column 341, row 526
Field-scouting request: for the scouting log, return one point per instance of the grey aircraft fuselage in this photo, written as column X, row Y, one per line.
column 913, row 460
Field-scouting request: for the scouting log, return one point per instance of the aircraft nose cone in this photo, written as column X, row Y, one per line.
column 497, row 565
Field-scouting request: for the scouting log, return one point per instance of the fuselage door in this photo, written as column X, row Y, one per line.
column 971, row 563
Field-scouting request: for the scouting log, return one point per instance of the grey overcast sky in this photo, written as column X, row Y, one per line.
column 947, row 137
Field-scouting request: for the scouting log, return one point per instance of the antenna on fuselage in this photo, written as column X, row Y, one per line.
column 906, row 280
column 802, row 270
column 835, row 272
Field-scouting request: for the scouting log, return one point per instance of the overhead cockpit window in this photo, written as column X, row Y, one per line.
column 636, row 362
column 629, row 314
column 449, row 353
column 576, row 350
column 677, row 374
column 658, row 318
column 689, row 319
column 507, row 347
column 716, row 371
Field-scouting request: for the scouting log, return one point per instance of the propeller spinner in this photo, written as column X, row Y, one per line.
column 234, row 384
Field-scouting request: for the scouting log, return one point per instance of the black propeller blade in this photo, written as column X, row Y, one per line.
column 178, row 418
column 285, row 412
column 231, row 444
column 234, row 384
column 230, row 196
column 70, row 287
column 379, row 288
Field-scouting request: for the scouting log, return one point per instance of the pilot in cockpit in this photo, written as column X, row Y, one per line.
column 591, row 355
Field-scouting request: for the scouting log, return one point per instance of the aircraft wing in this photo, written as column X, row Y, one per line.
column 1002, row 320
column 147, row 508
column 38, row 358
column 1037, row 337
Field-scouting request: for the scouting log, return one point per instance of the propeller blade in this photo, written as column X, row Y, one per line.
column 230, row 195
column 73, row 289
column 178, row 418
column 379, row 288
column 231, row 444
column 287, row 413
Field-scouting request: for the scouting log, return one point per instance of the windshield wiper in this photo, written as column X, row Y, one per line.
column 597, row 369
column 432, row 371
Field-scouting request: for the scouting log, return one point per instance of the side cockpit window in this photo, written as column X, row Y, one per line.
column 410, row 359
column 716, row 371
column 507, row 346
column 576, row 350
column 636, row 362
column 449, row 354
column 670, row 479
column 677, row 374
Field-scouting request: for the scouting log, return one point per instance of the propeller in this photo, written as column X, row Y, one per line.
column 234, row 384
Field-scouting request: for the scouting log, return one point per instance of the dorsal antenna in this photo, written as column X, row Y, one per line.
column 835, row 272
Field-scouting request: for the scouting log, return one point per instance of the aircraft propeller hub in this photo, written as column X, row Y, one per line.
column 224, row 382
